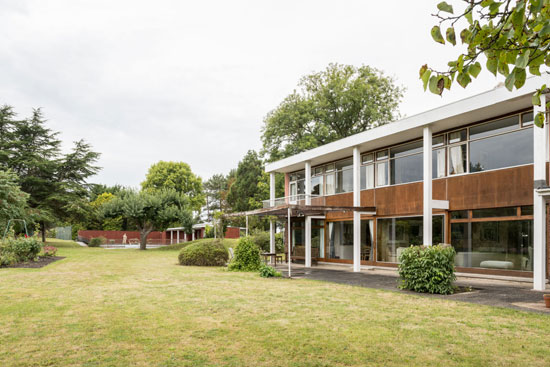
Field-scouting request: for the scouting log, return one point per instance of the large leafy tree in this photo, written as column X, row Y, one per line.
column 150, row 210
column 339, row 101
column 56, row 182
column 512, row 35
column 177, row 176
column 243, row 192
column 13, row 201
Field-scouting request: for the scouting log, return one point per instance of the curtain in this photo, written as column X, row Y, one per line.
column 457, row 164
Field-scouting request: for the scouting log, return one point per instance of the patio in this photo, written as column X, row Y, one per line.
column 505, row 292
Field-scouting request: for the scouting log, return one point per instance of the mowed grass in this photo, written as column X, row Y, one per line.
column 103, row 307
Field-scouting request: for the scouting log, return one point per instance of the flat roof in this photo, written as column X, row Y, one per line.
column 302, row 210
column 495, row 102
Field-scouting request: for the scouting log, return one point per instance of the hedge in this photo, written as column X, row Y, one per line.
column 19, row 250
column 428, row 269
column 204, row 253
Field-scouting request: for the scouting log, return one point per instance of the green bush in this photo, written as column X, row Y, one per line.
column 262, row 240
column 204, row 253
column 247, row 256
column 19, row 250
column 428, row 269
column 97, row 241
column 268, row 271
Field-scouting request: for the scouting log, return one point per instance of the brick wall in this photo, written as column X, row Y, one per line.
column 117, row 235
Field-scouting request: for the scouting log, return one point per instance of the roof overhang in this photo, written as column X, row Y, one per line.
column 302, row 210
column 496, row 102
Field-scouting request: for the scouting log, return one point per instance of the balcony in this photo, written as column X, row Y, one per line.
column 300, row 199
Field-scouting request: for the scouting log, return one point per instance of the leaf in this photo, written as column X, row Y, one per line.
column 486, row 3
column 535, row 99
column 492, row 65
column 510, row 80
column 468, row 14
column 539, row 119
column 463, row 79
column 503, row 68
column 465, row 35
column 422, row 70
column 443, row 6
column 475, row 69
column 520, row 76
column 447, row 83
column 435, row 86
column 450, row 35
column 545, row 30
column 494, row 8
column 425, row 78
column 436, row 35
column 523, row 60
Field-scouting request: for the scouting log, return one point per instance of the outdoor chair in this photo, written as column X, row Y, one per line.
column 230, row 253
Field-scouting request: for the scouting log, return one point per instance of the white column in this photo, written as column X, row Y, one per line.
column 272, row 236
column 356, row 214
column 539, row 204
column 192, row 234
column 427, row 220
column 308, row 242
column 308, row 182
column 271, row 204
column 178, row 236
column 171, row 237
column 272, row 189
column 247, row 225
column 289, row 260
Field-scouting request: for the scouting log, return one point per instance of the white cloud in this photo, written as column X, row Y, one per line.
column 144, row 81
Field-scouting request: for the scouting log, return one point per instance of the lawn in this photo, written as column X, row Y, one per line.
column 103, row 307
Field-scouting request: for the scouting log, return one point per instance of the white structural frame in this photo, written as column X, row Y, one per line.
column 356, row 214
column 540, row 143
column 272, row 226
column 427, row 187
column 482, row 106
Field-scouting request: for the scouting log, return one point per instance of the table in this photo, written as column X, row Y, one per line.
column 273, row 257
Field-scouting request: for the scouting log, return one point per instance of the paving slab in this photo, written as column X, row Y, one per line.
column 491, row 292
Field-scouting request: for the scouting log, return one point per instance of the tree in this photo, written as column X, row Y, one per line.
column 340, row 101
column 245, row 187
column 13, row 201
column 214, row 189
column 56, row 183
column 510, row 34
column 177, row 176
column 150, row 210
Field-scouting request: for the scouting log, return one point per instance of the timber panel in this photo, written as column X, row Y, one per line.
column 492, row 189
column 345, row 199
column 399, row 200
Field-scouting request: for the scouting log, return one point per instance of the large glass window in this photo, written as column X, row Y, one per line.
column 457, row 159
column 344, row 181
column 396, row 234
column 317, row 185
column 494, row 127
column 340, row 240
column 406, row 169
column 382, row 174
column 504, row 245
column 506, row 150
column 367, row 240
column 317, row 238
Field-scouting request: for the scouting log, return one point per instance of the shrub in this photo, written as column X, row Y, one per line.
column 204, row 253
column 97, row 241
column 262, row 240
column 247, row 256
column 49, row 251
column 19, row 250
column 428, row 269
column 268, row 271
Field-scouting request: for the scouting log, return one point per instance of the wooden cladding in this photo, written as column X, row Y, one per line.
column 491, row 189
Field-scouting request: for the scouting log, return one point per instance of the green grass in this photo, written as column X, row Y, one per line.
column 103, row 307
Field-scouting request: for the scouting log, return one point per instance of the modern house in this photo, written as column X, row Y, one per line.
column 472, row 173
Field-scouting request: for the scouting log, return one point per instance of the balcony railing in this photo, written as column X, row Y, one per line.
column 299, row 199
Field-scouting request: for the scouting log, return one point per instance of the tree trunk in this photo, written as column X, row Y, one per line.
column 143, row 233
column 43, row 230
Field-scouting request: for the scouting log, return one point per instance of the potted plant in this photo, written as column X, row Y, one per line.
column 546, row 300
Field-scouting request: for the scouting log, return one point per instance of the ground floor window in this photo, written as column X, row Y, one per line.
column 298, row 237
column 340, row 240
column 494, row 243
column 396, row 234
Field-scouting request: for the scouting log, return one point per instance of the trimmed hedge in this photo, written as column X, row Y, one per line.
column 247, row 256
column 428, row 269
column 205, row 253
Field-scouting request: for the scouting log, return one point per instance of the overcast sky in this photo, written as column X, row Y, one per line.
column 191, row 81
